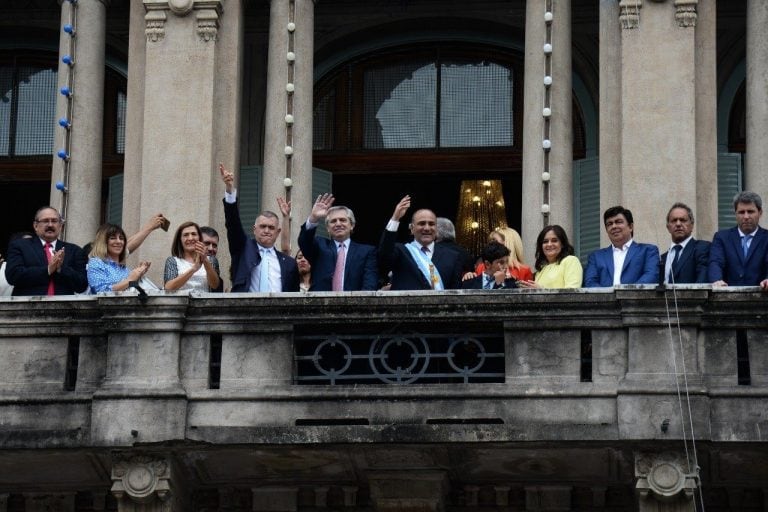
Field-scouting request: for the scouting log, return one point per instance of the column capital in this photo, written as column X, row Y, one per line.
column 629, row 13
column 663, row 476
column 140, row 478
column 208, row 13
column 685, row 13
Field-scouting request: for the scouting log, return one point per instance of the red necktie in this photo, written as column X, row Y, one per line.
column 48, row 256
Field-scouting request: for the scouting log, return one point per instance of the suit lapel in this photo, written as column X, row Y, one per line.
column 684, row 256
column 757, row 240
column 630, row 254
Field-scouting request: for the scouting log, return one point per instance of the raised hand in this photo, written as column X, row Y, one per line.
column 401, row 208
column 228, row 177
column 320, row 208
column 284, row 206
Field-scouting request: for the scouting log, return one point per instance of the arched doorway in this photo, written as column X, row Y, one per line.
column 418, row 120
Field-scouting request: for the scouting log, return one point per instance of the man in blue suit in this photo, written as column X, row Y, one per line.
column 421, row 264
column 43, row 264
column 687, row 258
column 739, row 255
column 624, row 261
column 338, row 264
column 256, row 265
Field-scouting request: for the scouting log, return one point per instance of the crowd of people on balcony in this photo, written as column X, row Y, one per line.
column 42, row 264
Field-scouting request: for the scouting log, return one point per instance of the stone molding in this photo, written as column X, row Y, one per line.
column 629, row 13
column 141, row 478
column 207, row 17
column 663, row 476
column 685, row 13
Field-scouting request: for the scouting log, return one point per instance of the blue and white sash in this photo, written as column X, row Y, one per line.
column 425, row 265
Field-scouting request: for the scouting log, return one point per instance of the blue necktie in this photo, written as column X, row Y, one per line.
column 264, row 271
column 745, row 244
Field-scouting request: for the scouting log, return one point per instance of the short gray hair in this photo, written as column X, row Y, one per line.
column 747, row 197
column 445, row 230
column 684, row 207
column 348, row 211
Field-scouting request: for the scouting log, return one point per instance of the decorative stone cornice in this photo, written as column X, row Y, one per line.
column 629, row 13
column 663, row 476
column 685, row 13
column 207, row 18
column 141, row 478
column 155, row 28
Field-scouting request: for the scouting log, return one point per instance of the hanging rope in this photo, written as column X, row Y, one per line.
column 692, row 456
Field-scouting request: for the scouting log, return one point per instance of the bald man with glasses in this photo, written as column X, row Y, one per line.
column 43, row 264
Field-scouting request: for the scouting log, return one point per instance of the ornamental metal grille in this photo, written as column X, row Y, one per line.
column 399, row 358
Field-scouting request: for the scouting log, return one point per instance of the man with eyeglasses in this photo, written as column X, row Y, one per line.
column 44, row 265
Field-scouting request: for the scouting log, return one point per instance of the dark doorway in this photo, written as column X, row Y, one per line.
column 18, row 204
column 373, row 197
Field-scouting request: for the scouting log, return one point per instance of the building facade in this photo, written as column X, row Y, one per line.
column 116, row 110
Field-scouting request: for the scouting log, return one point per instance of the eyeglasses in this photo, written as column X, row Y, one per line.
column 47, row 221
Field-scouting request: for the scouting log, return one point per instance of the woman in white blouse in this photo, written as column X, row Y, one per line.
column 189, row 268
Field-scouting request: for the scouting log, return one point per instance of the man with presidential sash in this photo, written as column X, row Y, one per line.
column 420, row 264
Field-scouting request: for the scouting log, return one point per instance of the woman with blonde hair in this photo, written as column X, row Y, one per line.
column 512, row 241
column 106, row 264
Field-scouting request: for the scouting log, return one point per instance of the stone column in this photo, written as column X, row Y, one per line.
column 142, row 483
column 757, row 91
column 610, row 109
column 706, row 116
column 134, row 119
column 186, row 79
column 289, row 93
column 658, row 112
column 547, row 199
column 81, row 205
column 664, row 482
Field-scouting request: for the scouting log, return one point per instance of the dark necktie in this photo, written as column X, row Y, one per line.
column 676, row 250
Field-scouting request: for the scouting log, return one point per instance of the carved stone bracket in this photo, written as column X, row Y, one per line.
column 629, row 13
column 207, row 17
column 208, row 22
column 155, row 25
column 141, row 478
column 685, row 13
column 663, row 476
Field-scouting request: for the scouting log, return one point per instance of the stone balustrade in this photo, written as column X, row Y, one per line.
column 585, row 371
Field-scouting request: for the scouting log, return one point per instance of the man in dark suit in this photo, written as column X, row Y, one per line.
column 256, row 265
column 44, row 265
column 446, row 236
column 739, row 255
column 494, row 277
column 338, row 264
column 687, row 258
column 624, row 261
column 421, row 264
